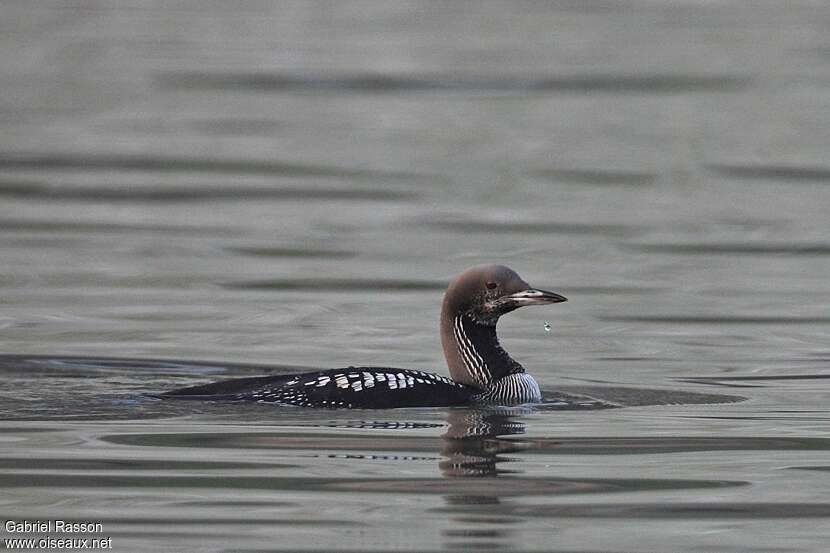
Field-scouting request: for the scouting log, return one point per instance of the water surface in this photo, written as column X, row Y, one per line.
column 202, row 191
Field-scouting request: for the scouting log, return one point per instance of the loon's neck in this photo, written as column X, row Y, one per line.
column 473, row 352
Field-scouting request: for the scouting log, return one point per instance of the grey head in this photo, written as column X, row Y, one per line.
column 473, row 303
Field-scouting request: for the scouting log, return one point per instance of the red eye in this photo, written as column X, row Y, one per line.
column 491, row 285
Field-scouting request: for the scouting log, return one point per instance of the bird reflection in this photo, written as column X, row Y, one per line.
column 472, row 446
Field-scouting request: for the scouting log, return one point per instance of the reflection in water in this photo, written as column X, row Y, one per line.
column 471, row 448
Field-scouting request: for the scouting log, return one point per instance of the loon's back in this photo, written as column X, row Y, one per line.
column 351, row 387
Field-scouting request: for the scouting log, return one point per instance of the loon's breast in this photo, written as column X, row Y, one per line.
column 352, row 387
column 512, row 389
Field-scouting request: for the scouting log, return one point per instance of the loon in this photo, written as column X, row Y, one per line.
column 482, row 371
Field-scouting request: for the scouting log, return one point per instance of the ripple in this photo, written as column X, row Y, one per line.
column 90, row 465
column 772, row 172
column 41, row 242
column 631, row 397
column 339, row 285
column 715, row 319
column 237, row 126
column 34, row 225
column 127, row 193
column 489, row 487
column 277, row 441
column 289, row 252
column 565, row 445
column 609, row 290
column 24, row 429
column 88, row 366
column 523, row 487
column 380, row 83
column 737, row 248
column 530, row 227
column 749, row 381
column 634, row 445
column 102, row 162
column 677, row 511
column 598, row 176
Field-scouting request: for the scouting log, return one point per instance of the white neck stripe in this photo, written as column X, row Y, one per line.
column 472, row 360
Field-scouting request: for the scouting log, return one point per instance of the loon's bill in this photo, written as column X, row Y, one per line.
column 482, row 371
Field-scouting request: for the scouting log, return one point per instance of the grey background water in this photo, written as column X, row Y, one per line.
column 293, row 184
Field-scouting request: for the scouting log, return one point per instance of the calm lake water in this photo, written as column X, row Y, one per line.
column 192, row 191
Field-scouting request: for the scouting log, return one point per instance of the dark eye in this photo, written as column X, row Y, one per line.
column 491, row 285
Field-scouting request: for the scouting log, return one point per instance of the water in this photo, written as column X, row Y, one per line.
column 195, row 191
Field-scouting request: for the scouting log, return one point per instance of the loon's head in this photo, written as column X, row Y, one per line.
column 473, row 303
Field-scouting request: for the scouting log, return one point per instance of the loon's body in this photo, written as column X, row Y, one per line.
column 482, row 372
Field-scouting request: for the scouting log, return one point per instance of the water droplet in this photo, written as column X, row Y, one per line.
column 547, row 326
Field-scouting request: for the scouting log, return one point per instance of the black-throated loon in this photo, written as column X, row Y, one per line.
column 482, row 372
